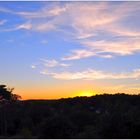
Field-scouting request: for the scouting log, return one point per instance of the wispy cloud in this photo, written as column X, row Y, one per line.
column 41, row 27
column 65, row 65
column 92, row 74
column 33, row 66
column 85, row 53
column 53, row 63
column 77, row 54
column 124, row 47
column 49, row 63
column 106, row 56
column 45, row 12
column 90, row 24
column 5, row 10
column 26, row 25
column 3, row 21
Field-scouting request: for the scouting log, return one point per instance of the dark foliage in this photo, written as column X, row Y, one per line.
column 6, row 94
column 100, row 116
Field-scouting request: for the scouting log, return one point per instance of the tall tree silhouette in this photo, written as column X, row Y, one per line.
column 6, row 98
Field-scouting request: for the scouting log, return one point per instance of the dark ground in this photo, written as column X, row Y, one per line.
column 100, row 116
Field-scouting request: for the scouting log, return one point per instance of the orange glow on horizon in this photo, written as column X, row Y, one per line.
column 54, row 94
column 87, row 93
column 66, row 91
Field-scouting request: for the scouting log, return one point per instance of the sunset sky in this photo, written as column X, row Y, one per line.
column 50, row 50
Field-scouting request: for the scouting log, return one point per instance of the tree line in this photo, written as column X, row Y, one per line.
column 99, row 116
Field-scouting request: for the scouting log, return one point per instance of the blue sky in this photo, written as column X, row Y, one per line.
column 52, row 43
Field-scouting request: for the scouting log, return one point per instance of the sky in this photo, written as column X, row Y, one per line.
column 51, row 50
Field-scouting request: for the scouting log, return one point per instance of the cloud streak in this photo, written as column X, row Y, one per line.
column 78, row 54
column 85, row 53
column 45, row 12
column 49, row 63
column 92, row 74
column 117, row 47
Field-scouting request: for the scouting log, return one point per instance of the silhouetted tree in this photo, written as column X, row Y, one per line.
column 6, row 94
column 6, row 97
